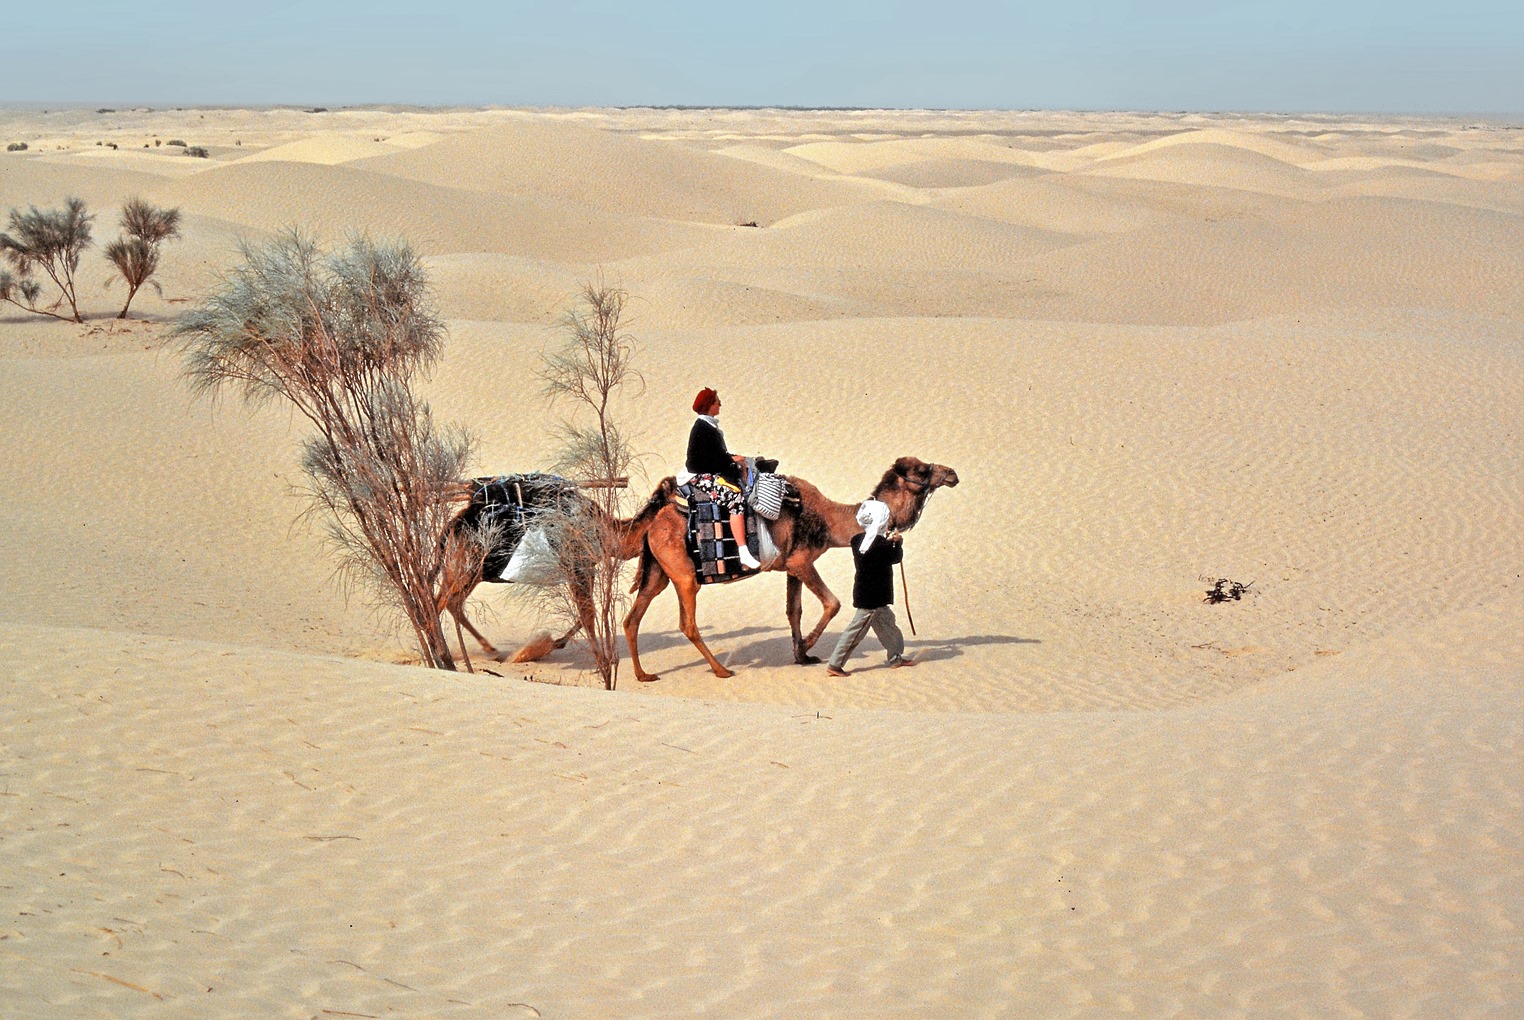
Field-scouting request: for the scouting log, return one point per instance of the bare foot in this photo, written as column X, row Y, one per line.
column 833, row 671
column 902, row 663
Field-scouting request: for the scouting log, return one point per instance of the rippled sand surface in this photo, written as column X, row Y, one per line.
column 1158, row 350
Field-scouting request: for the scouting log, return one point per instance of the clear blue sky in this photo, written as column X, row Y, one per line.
column 1465, row 56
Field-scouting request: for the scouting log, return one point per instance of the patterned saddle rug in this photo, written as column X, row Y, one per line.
column 710, row 544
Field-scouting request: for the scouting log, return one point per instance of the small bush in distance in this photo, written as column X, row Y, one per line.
column 196, row 150
column 50, row 240
column 16, row 147
column 135, row 254
column 175, row 141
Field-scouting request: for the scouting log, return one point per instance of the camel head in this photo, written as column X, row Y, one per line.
column 919, row 474
column 907, row 486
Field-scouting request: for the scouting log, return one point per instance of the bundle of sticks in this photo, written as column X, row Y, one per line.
column 463, row 490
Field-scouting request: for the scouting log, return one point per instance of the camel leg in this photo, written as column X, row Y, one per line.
column 795, row 615
column 687, row 600
column 461, row 620
column 650, row 587
column 457, row 608
column 564, row 638
column 537, row 649
column 830, row 605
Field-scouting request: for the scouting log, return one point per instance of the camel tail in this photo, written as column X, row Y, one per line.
column 647, row 562
column 641, row 523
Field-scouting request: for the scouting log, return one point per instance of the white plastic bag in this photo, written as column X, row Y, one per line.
column 534, row 561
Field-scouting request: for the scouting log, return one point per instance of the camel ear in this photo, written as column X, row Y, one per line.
column 913, row 468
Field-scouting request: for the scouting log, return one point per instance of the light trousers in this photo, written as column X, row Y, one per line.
column 884, row 628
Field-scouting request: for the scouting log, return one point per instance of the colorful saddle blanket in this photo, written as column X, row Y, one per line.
column 710, row 544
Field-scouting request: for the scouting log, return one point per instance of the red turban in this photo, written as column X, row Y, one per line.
column 706, row 396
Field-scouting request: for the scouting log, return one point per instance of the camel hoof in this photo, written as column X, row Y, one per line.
column 723, row 673
column 647, row 678
column 807, row 660
column 539, row 646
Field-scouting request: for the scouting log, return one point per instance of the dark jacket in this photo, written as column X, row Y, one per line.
column 873, row 587
column 707, row 454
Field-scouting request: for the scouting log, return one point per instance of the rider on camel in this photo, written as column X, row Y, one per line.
column 718, row 470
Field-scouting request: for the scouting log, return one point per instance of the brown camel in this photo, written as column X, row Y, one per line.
column 454, row 590
column 802, row 534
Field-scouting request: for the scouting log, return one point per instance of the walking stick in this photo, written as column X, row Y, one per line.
column 906, row 588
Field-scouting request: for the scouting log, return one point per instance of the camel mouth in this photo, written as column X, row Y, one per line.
column 950, row 480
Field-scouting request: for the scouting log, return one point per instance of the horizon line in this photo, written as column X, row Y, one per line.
column 101, row 107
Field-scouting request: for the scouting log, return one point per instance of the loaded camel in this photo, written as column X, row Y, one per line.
column 802, row 533
column 539, row 493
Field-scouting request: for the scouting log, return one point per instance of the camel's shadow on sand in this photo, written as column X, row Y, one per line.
column 778, row 650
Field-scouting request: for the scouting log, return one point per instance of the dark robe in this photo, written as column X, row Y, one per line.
column 873, row 585
column 707, row 454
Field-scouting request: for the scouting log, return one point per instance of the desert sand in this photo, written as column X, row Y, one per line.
column 1157, row 349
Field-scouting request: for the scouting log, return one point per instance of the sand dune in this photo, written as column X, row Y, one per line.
column 330, row 200
column 950, row 173
column 1245, row 857
column 1280, row 149
column 1362, row 252
column 44, row 183
column 327, row 149
column 1158, row 350
column 860, row 157
column 615, row 173
column 1051, row 203
column 1208, row 164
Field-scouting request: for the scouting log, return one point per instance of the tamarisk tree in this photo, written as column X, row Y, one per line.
column 50, row 240
column 340, row 336
column 589, row 368
column 135, row 254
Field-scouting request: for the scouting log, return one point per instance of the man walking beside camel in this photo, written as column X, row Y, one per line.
column 873, row 598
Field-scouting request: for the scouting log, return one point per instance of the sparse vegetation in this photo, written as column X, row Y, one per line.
column 135, row 254
column 340, row 336
column 1225, row 590
column 589, row 368
column 16, row 147
column 197, row 151
column 175, row 141
column 50, row 240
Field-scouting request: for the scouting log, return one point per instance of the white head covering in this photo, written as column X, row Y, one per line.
column 873, row 515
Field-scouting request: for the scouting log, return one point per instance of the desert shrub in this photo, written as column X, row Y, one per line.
column 340, row 336
column 50, row 240
column 16, row 147
column 175, row 141
column 198, row 151
column 590, row 367
column 135, row 254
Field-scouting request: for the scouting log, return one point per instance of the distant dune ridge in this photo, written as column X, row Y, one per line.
column 1159, row 350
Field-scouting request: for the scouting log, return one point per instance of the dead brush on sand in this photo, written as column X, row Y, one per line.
column 340, row 337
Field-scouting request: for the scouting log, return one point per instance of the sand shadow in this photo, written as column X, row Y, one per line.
column 779, row 650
